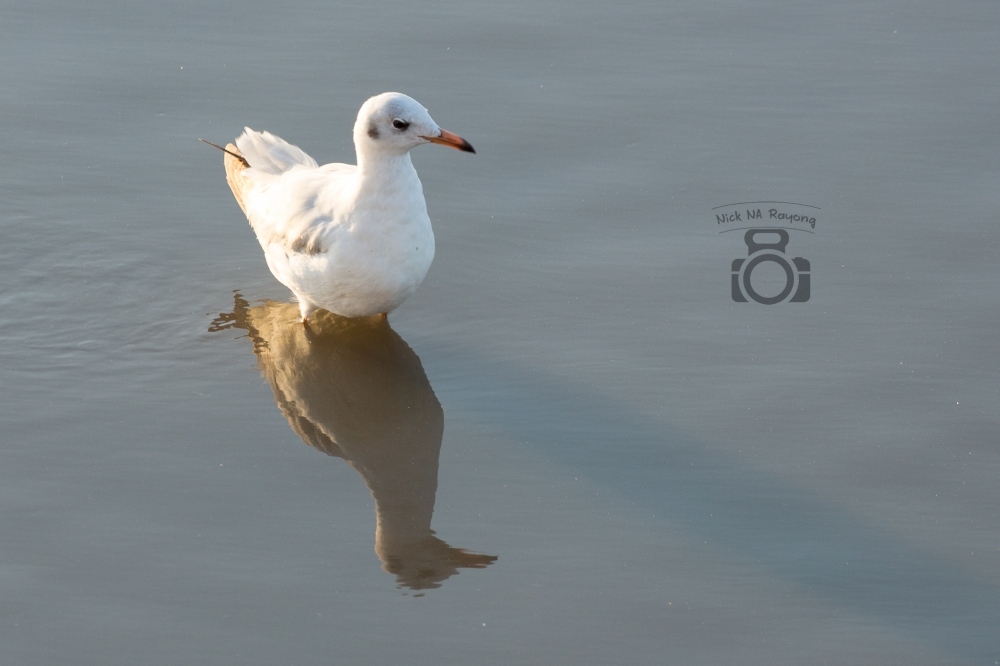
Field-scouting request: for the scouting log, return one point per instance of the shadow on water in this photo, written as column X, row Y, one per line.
column 748, row 515
column 353, row 389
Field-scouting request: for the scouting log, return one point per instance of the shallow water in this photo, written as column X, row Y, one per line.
column 619, row 463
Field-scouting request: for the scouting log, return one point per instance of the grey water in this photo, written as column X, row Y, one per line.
column 583, row 440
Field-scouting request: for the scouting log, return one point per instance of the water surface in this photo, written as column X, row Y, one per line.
column 605, row 459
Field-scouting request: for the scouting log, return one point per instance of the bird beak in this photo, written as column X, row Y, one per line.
column 446, row 138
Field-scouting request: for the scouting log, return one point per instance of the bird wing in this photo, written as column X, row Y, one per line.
column 289, row 200
column 298, row 208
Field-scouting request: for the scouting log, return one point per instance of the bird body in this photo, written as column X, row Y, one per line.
column 354, row 240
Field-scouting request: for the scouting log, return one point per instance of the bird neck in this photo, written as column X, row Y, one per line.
column 387, row 176
column 383, row 163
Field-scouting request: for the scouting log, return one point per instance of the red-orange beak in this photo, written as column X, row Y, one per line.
column 446, row 138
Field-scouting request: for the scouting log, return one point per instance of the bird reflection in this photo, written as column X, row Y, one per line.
column 353, row 389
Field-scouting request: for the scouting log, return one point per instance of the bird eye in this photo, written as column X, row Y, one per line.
column 400, row 124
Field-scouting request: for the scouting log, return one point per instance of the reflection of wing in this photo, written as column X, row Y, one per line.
column 353, row 389
column 310, row 433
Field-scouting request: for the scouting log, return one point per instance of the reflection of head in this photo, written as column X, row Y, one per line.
column 353, row 389
column 424, row 564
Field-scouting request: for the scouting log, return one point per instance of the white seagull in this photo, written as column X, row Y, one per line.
column 354, row 240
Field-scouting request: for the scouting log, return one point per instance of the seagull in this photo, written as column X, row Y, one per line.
column 353, row 240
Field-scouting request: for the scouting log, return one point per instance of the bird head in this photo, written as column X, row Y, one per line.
column 395, row 123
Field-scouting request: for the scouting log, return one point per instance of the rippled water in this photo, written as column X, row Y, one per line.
column 571, row 446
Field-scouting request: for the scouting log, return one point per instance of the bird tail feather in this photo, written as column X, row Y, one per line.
column 271, row 154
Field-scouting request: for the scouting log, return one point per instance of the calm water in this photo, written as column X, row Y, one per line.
column 571, row 446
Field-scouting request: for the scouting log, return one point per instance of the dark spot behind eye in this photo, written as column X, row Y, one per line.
column 400, row 124
column 372, row 130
